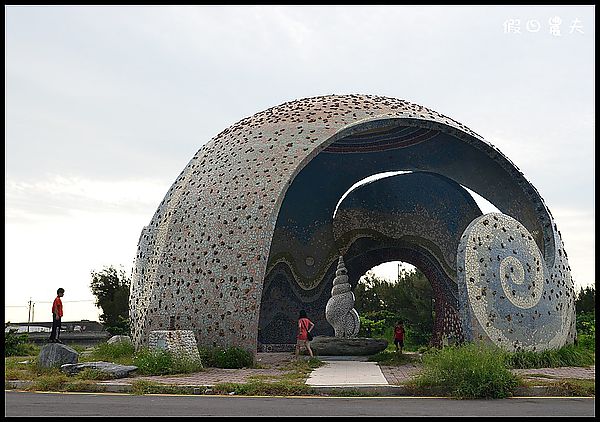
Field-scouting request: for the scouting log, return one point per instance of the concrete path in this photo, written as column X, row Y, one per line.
column 346, row 371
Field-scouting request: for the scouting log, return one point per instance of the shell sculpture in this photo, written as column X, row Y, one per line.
column 340, row 312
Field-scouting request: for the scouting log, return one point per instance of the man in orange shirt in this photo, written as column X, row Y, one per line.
column 57, row 313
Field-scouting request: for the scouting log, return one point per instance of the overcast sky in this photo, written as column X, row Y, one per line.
column 105, row 105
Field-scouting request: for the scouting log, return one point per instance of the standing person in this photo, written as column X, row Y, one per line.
column 305, row 325
column 399, row 336
column 57, row 313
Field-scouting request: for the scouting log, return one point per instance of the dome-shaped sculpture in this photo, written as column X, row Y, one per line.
column 245, row 238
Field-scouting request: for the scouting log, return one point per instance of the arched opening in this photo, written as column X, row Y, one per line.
column 395, row 291
column 339, row 205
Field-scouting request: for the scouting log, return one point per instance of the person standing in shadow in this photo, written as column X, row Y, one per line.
column 399, row 336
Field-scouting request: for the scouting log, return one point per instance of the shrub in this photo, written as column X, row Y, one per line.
column 17, row 344
column 231, row 357
column 587, row 342
column 370, row 328
column 162, row 362
column 153, row 362
column 586, row 323
column 468, row 371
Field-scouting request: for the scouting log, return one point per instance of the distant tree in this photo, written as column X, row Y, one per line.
column 586, row 300
column 409, row 299
column 111, row 289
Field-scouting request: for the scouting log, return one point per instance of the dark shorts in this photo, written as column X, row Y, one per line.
column 399, row 343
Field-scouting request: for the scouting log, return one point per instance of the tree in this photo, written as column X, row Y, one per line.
column 586, row 300
column 111, row 289
column 409, row 299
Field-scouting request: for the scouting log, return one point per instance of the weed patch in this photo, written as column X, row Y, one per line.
column 229, row 358
column 162, row 362
column 393, row 358
column 570, row 355
column 469, row 371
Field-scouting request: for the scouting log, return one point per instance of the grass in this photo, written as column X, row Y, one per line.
column 120, row 352
column 570, row 355
column 466, row 372
column 393, row 358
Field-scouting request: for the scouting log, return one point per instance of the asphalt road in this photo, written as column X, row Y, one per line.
column 88, row 404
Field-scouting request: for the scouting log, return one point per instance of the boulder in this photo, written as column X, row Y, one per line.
column 115, row 370
column 56, row 354
column 339, row 346
column 119, row 339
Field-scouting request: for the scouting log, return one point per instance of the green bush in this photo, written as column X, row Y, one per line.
column 162, row 362
column 370, row 328
column 468, row 371
column 586, row 323
column 587, row 342
column 231, row 357
column 17, row 344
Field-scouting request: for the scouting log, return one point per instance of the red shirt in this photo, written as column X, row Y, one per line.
column 57, row 307
column 304, row 324
column 398, row 333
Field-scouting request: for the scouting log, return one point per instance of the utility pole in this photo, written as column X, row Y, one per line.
column 29, row 315
column 398, row 272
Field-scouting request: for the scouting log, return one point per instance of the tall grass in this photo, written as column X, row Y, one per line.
column 582, row 354
column 468, row 371
column 121, row 352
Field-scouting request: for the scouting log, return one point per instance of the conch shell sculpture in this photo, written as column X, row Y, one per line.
column 340, row 312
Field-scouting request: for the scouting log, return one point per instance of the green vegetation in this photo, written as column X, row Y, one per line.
column 231, row 357
column 111, row 289
column 162, row 362
column 381, row 303
column 18, row 344
column 120, row 352
column 467, row 372
column 586, row 300
column 570, row 355
column 392, row 358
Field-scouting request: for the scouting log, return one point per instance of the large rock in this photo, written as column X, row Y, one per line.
column 56, row 354
column 119, row 339
column 339, row 346
column 115, row 370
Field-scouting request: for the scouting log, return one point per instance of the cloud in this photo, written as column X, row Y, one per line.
column 61, row 196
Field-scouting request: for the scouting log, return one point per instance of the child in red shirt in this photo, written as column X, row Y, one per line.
column 304, row 326
column 399, row 336
column 57, row 313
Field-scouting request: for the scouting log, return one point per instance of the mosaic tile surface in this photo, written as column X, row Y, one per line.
column 244, row 237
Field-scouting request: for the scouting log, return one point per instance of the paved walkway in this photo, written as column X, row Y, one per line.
column 340, row 372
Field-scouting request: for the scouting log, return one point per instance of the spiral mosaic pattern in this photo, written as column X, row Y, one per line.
column 506, row 296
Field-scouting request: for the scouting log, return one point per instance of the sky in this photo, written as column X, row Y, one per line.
column 105, row 105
